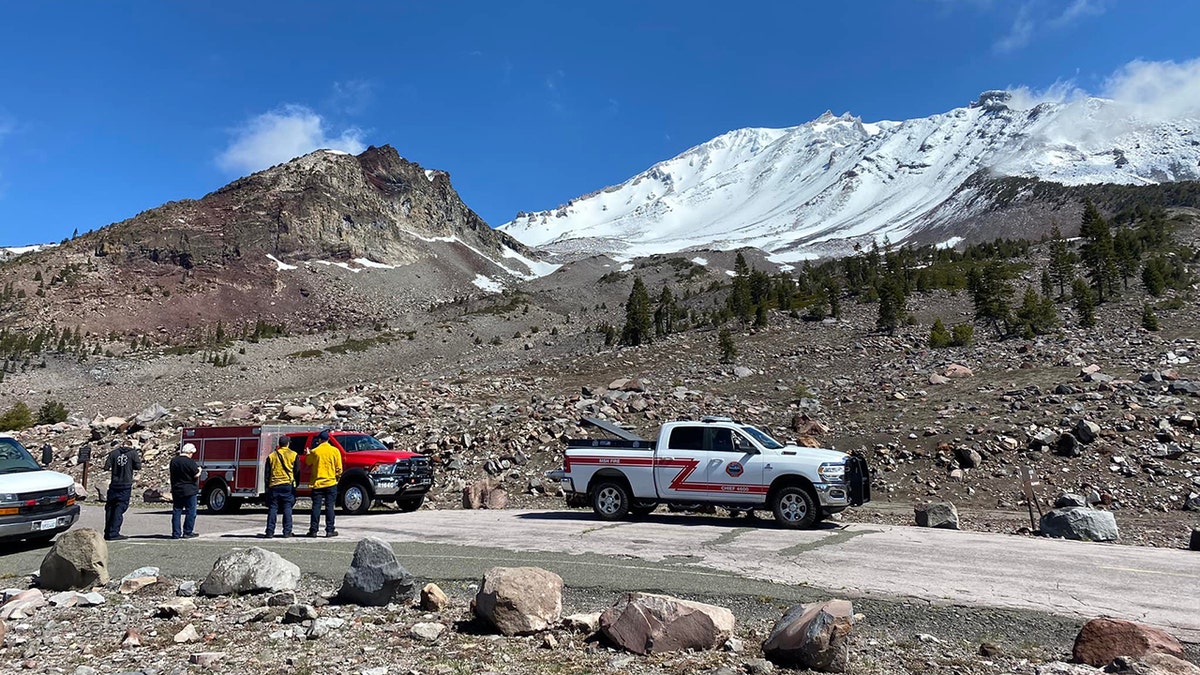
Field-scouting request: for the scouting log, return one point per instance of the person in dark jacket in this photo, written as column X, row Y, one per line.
column 122, row 462
column 185, row 487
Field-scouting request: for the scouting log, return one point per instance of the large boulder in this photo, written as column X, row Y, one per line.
column 78, row 559
column 1079, row 523
column 376, row 577
column 1194, row 543
column 250, row 570
column 1102, row 640
column 645, row 623
column 519, row 600
column 1153, row 664
column 939, row 514
column 813, row 636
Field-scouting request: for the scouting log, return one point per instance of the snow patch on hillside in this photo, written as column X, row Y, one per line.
column 820, row 188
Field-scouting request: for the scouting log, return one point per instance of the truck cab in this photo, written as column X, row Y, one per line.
column 370, row 471
column 35, row 504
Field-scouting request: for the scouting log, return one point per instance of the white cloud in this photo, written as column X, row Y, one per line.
column 1078, row 10
column 281, row 135
column 1036, row 18
column 1024, row 98
column 1019, row 34
column 353, row 97
column 1157, row 90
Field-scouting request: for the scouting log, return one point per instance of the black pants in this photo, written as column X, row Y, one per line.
column 279, row 501
column 115, row 503
column 322, row 497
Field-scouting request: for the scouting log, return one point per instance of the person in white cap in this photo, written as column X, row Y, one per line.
column 185, row 486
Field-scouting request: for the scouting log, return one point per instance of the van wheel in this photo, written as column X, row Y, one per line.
column 356, row 499
column 610, row 500
column 216, row 498
column 794, row 508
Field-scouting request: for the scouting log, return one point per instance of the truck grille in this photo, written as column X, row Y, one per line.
column 44, row 501
column 416, row 469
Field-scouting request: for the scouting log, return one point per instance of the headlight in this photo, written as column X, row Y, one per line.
column 383, row 469
column 8, row 497
column 832, row 472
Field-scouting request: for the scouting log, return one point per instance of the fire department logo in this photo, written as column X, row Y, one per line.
column 734, row 469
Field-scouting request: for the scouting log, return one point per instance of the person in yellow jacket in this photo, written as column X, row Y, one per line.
column 281, row 487
column 325, row 470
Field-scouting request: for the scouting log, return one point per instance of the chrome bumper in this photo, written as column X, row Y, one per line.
column 13, row 527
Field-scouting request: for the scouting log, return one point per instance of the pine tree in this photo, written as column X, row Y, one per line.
column 1047, row 282
column 1062, row 262
column 739, row 301
column 726, row 346
column 639, row 319
column 834, row 292
column 760, row 316
column 1085, row 303
column 1149, row 320
column 1097, row 252
column 990, row 293
column 1036, row 316
column 891, row 306
column 664, row 313
column 939, row 336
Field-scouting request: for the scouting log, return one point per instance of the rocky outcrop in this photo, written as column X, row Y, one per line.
column 1102, row 640
column 78, row 559
column 1080, row 523
column 645, row 623
column 519, row 600
column 250, row 570
column 812, row 636
column 376, row 577
column 939, row 514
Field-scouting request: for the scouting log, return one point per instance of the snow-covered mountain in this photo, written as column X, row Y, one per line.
column 819, row 188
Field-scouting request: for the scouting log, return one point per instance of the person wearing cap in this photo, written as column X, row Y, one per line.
column 122, row 461
column 281, row 487
column 185, row 487
column 325, row 467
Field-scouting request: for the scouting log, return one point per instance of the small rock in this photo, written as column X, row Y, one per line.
column 131, row 638
column 433, row 598
column 321, row 627
column 188, row 634
column 428, row 631
column 583, row 623
column 299, row 614
column 205, row 658
column 284, row 599
column 179, row 607
column 187, row 589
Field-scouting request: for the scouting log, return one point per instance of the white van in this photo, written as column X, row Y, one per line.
column 35, row 504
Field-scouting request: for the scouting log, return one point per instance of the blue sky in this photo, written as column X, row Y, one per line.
column 107, row 109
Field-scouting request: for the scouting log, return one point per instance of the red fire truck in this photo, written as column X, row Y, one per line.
column 233, row 467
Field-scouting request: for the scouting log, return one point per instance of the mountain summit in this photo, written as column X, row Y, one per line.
column 821, row 188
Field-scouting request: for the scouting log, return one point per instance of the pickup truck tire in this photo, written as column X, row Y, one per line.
column 410, row 505
column 610, row 500
column 355, row 498
column 795, row 508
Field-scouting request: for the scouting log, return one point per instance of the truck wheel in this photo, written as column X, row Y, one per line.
column 794, row 508
column 610, row 500
column 356, row 499
column 410, row 505
column 216, row 498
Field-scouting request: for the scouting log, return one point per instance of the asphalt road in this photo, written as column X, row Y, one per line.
column 677, row 553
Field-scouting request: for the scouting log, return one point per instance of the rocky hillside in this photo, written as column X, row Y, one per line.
column 325, row 238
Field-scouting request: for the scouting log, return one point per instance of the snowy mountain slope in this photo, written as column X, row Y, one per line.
column 818, row 188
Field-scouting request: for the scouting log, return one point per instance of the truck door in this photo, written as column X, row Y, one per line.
column 734, row 468
column 679, row 467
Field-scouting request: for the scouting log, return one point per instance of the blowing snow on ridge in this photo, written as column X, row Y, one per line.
column 820, row 188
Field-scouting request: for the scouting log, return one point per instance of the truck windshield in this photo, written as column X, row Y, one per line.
column 762, row 438
column 14, row 458
column 360, row 443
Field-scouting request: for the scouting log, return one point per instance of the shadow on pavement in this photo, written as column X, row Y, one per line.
column 668, row 518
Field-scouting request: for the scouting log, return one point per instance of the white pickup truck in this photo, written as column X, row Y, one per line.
column 714, row 461
column 35, row 504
